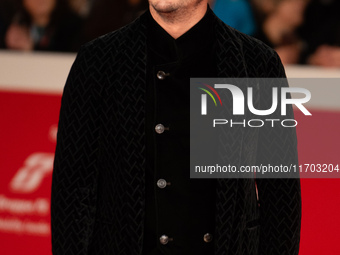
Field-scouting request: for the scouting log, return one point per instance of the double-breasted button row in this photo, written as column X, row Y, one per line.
column 164, row 239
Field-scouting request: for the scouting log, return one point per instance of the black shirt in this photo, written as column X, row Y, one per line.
column 180, row 209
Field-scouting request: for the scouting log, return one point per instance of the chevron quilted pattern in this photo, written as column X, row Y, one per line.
column 98, row 180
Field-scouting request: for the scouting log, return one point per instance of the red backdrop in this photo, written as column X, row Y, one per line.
column 28, row 127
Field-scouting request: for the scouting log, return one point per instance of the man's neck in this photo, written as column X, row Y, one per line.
column 180, row 21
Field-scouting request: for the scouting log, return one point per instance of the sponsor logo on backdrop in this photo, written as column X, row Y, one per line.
column 30, row 176
column 28, row 215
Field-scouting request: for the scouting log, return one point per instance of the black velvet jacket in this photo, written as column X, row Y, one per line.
column 98, row 188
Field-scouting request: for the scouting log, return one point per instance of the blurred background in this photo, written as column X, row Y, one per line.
column 38, row 43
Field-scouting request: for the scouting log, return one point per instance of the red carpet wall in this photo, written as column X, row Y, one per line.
column 30, row 93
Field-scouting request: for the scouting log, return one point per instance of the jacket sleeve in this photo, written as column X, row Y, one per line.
column 75, row 164
column 279, row 198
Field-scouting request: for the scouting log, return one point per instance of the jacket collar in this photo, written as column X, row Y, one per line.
column 229, row 53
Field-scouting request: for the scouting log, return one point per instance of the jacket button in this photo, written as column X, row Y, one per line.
column 161, row 75
column 161, row 183
column 159, row 129
column 164, row 239
column 207, row 238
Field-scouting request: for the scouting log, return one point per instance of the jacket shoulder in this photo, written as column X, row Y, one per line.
column 264, row 59
column 119, row 39
column 109, row 52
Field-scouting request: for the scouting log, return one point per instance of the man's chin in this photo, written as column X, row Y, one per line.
column 164, row 7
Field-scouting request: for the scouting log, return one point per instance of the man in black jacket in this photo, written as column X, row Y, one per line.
column 121, row 182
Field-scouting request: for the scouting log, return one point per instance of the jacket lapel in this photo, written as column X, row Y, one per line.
column 132, row 95
column 230, row 63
